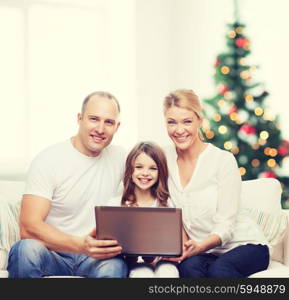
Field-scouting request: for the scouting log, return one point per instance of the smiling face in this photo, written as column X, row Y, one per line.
column 145, row 173
column 182, row 126
column 97, row 125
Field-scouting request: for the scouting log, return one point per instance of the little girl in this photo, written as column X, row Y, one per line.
column 145, row 184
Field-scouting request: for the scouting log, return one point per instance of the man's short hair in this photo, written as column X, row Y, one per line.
column 100, row 94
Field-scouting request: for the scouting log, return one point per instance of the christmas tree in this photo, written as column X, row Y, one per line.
column 238, row 118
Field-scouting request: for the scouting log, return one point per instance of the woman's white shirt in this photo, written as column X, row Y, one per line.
column 210, row 201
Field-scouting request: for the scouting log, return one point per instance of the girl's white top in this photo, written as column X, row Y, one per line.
column 116, row 201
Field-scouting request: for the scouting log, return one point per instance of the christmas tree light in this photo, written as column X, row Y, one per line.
column 239, row 120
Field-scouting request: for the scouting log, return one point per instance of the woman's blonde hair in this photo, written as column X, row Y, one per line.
column 187, row 99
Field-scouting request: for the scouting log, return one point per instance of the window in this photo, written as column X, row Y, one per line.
column 54, row 53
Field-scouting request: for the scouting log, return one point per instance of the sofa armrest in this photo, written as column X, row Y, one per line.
column 286, row 241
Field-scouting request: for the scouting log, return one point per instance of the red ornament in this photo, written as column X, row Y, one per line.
column 241, row 42
column 233, row 110
column 248, row 129
column 283, row 150
column 217, row 62
column 268, row 174
column 223, row 89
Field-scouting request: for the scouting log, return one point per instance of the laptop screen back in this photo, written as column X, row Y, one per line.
column 145, row 231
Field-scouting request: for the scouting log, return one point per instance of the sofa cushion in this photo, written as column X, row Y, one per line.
column 3, row 274
column 11, row 191
column 261, row 198
column 3, row 259
column 9, row 228
column 273, row 225
column 10, row 196
column 262, row 193
column 278, row 252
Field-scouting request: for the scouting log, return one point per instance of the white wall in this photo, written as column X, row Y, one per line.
column 197, row 35
column 154, row 64
column 141, row 49
column 52, row 55
column 268, row 26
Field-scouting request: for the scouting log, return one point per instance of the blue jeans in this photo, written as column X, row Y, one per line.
column 30, row 258
column 239, row 262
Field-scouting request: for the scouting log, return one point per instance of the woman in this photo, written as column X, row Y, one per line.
column 205, row 182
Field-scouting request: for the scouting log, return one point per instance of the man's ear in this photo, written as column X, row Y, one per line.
column 117, row 125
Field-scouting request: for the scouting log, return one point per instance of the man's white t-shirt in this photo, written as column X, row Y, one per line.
column 75, row 184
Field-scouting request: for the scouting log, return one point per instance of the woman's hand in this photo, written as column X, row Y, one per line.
column 190, row 248
column 100, row 249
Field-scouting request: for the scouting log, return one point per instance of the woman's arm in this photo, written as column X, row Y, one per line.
column 228, row 201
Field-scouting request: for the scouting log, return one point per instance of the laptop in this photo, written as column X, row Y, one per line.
column 141, row 231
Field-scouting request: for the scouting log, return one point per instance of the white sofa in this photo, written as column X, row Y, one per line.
column 260, row 197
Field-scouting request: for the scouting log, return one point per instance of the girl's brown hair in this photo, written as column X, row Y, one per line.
column 160, row 189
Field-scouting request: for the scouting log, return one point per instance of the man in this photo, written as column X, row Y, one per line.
column 64, row 183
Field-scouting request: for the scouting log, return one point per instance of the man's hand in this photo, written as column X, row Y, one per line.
column 100, row 249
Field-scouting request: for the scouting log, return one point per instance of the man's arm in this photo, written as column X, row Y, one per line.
column 34, row 210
